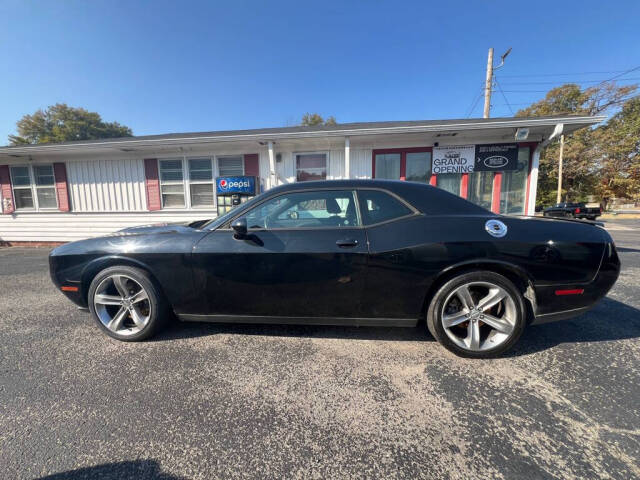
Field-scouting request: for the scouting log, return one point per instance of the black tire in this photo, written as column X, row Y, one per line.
column 158, row 311
column 436, row 308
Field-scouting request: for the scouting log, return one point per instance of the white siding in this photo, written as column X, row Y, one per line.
column 66, row 227
column 335, row 170
column 360, row 163
column 286, row 169
column 107, row 185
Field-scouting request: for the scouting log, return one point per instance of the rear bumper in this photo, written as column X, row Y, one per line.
column 551, row 307
column 557, row 316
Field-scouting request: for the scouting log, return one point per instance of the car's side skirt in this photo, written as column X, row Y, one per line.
column 337, row 321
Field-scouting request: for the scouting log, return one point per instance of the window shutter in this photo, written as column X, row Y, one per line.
column 152, row 184
column 6, row 195
column 62, row 187
column 251, row 165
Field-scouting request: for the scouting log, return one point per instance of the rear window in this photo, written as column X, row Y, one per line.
column 377, row 206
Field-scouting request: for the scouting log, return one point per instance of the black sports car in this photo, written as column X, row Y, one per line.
column 346, row 252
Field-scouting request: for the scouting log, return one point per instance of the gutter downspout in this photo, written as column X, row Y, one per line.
column 535, row 163
column 347, row 157
column 272, row 166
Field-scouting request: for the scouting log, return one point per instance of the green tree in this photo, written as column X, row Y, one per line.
column 581, row 166
column 618, row 149
column 61, row 123
column 311, row 119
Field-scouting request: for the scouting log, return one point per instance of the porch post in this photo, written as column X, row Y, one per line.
column 533, row 182
column 272, row 166
column 347, row 159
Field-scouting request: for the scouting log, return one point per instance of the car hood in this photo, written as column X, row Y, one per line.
column 176, row 227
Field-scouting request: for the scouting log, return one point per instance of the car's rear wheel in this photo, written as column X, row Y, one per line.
column 126, row 303
column 477, row 314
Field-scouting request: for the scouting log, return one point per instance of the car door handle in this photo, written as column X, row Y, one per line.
column 347, row 242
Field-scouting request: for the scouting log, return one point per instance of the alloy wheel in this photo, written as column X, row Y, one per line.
column 122, row 304
column 479, row 316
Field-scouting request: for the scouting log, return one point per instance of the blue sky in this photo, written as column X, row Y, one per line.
column 180, row 66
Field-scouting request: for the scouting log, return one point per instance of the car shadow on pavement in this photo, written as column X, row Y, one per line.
column 192, row 329
column 130, row 470
column 609, row 320
column 627, row 250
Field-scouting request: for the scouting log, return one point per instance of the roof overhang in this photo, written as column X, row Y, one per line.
column 543, row 128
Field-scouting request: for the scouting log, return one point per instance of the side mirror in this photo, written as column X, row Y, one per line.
column 240, row 227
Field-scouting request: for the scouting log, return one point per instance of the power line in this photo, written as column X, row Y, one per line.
column 526, row 91
column 504, row 96
column 623, row 99
column 567, row 81
column 622, row 74
column 561, row 74
column 511, row 104
column 475, row 102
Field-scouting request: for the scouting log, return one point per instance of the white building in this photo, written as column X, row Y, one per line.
column 74, row 190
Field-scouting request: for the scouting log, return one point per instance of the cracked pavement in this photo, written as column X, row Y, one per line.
column 254, row 401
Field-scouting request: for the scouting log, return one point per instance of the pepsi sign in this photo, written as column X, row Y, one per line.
column 236, row 185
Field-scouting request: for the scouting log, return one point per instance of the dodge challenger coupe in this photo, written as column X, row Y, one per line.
column 346, row 252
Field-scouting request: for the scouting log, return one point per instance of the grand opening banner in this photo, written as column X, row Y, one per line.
column 453, row 159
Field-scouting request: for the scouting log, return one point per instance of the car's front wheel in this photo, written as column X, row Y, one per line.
column 126, row 303
column 478, row 314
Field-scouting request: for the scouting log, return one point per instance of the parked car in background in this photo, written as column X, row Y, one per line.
column 590, row 211
column 346, row 252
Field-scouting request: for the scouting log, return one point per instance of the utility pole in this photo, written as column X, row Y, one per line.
column 487, row 85
column 558, row 198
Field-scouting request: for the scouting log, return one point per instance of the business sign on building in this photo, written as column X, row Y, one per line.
column 238, row 185
column 453, row 159
column 497, row 157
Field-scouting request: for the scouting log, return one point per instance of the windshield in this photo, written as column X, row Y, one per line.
column 222, row 219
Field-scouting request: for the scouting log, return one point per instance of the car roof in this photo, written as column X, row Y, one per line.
column 424, row 197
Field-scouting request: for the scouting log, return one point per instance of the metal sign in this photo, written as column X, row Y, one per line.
column 453, row 159
column 239, row 185
column 498, row 157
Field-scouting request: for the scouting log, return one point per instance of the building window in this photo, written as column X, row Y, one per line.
column 411, row 164
column 311, row 166
column 201, row 182
column 418, row 166
column 388, row 166
column 172, row 183
column 231, row 166
column 449, row 182
column 480, row 188
column 34, row 187
column 514, row 185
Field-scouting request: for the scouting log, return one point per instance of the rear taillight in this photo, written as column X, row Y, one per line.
column 574, row 291
column 577, row 210
column 600, row 210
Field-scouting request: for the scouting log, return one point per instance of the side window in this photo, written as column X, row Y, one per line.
column 34, row 187
column 172, row 183
column 313, row 209
column 377, row 206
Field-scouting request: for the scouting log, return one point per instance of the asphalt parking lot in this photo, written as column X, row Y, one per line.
column 220, row 401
